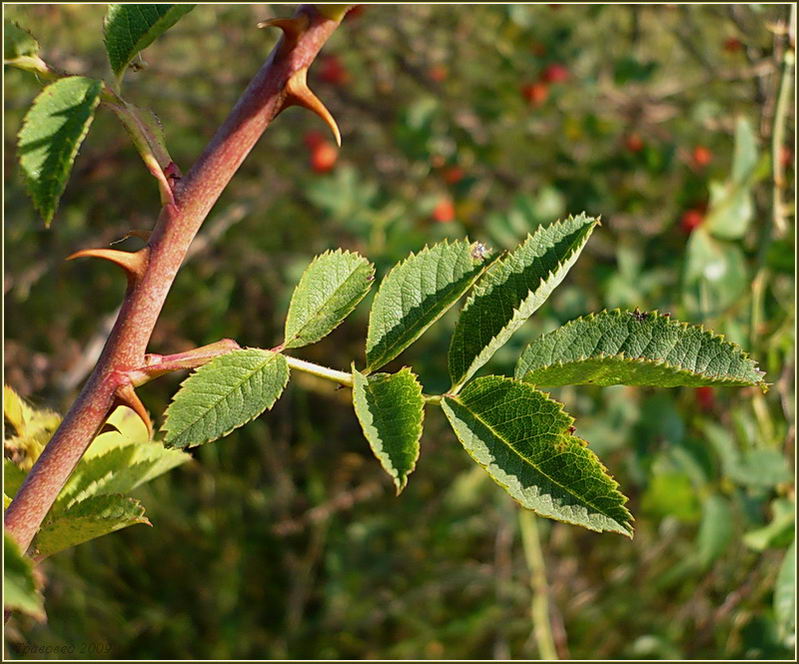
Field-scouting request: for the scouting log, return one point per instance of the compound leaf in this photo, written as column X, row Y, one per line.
column 390, row 408
column 416, row 293
column 223, row 395
column 633, row 348
column 86, row 520
column 132, row 28
column 524, row 441
column 51, row 134
column 511, row 290
column 20, row 592
column 330, row 288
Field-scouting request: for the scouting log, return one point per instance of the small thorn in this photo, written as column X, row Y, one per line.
column 292, row 27
column 133, row 262
column 126, row 396
column 300, row 94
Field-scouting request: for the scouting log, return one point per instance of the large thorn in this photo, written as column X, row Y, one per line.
column 133, row 262
column 299, row 94
column 292, row 27
column 126, row 396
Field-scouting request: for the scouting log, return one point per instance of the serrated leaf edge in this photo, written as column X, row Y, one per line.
column 165, row 427
column 487, row 263
column 399, row 482
column 478, row 362
column 626, row 528
column 714, row 336
column 286, row 343
column 72, row 156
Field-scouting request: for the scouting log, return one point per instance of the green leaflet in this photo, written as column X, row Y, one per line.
column 132, row 28
column 390, row 408
column 18, row 42
column 785, row 597
column 330, row 288
column 119, row 470
column 19, row 586
column 511, row 290
column 51, row 134
column 633, row 348
column 223, row 395
column 416, row 293
column 523, row 440
column 86, row 520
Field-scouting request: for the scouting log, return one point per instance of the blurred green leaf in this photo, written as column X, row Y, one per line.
column 523, row 439
column 390, row 408
column 130, row 28
column 511, row 291
column 223, row 395
column 715, row 530
column 633, row 348
column 51, row 134
column 785, row 597
column 715, row 274
column 778, row 532
column 672, row 494
column 20, row 592
column 330, row 288
column 18, row 42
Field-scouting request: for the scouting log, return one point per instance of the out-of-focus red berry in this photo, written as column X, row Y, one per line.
column 323, row 157
column 536, row 93
column 444, row 210
column 705, row 398
column 332, row 71
column 786, row 156
column 690, row 220
column 634, row 143
column 732, row 45
column 313, row 139
column 438, row 73
column 453, row 174
column 555, row 73
column 701, row 156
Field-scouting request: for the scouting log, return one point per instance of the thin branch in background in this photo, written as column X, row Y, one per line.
column 539, row 606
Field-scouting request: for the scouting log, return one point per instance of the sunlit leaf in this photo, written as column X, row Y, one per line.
column 51, row 134
column 634, row 348
column 511, row 290
column 330, row 288
column 223, row 395
column 416, row 293
column 20, row 592
column 130, row 28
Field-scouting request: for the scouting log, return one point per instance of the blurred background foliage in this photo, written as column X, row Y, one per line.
column 285, row 539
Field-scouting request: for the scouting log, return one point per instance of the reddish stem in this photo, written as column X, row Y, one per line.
column 177, row 225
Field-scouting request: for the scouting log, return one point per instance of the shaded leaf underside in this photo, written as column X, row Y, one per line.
column 390, row 408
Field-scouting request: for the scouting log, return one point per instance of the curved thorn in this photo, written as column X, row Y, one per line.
column 292, row 27
column 126, row 396
column 133, row 262
column 299, row 94
column 141, row 234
